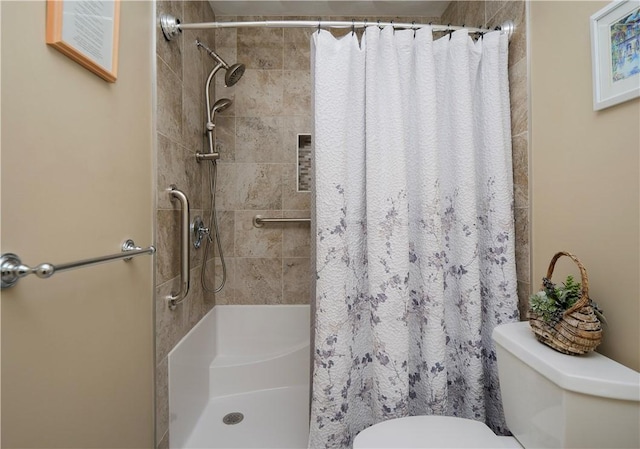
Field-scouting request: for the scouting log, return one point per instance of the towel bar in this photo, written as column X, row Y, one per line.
column 13, row 269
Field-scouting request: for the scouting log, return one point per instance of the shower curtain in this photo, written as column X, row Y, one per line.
column 414, row 228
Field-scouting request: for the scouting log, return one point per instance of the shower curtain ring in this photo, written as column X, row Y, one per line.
column 379, row 24
column 318, row 27
column 353, row 27
column 413, row 27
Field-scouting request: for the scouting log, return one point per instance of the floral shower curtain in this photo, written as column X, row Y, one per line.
column 414, row 228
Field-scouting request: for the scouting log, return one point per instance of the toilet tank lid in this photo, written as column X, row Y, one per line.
column 427, row 432
column 592, row 374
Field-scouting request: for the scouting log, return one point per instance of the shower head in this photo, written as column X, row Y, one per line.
column 220, row 106
column 233, row 75
column 234, row 72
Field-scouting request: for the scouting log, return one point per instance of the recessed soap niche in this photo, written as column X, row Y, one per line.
column 304, row 162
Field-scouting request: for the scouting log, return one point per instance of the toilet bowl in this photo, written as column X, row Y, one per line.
column 431, row 432
column 586, row 401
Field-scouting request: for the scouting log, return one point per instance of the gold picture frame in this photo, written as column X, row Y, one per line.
column 87, row 32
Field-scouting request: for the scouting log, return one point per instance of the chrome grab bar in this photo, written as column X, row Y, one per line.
column 259, row 220
column 176, row 298
column 13, row 269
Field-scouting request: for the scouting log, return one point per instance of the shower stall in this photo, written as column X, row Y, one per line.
column 250, row 130
column 222, row 357
column 240, row 378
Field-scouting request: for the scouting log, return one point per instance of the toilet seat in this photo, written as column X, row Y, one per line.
column 427, row 432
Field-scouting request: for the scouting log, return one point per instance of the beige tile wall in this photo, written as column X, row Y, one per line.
column 492, row 14
column 181, row 74
column 257, row 139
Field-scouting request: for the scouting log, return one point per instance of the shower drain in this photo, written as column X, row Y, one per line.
column 233, row 418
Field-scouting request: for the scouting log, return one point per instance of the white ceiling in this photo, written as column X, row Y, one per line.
column 355, row 8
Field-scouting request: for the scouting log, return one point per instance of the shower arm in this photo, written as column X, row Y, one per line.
column 212, row 53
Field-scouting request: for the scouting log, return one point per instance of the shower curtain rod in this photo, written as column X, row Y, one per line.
column 172, row 27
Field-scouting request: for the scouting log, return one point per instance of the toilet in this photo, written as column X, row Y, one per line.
column 550, row 400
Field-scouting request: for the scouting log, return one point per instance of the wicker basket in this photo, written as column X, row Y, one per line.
column 579, row 330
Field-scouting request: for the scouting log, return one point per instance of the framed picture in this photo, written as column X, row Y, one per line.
column 87, row 32
column 615, row 51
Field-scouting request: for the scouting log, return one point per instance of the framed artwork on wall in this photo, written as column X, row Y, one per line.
column 87, row 32
column 615, row 53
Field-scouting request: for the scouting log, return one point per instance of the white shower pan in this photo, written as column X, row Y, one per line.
column 248, row 364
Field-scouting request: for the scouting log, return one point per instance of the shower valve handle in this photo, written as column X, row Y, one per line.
column 199, row 231
column 206, row 232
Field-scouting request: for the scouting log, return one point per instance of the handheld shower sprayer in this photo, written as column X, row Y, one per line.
column 220, row 106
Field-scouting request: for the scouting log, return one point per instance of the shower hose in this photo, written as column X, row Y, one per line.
column 213, row 220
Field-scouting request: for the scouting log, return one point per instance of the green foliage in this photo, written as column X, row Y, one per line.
column 552, row 301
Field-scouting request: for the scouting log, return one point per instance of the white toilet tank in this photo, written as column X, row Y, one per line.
column 553, row 400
